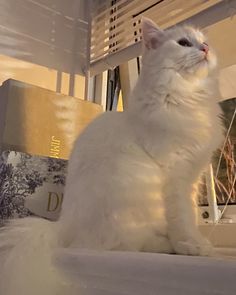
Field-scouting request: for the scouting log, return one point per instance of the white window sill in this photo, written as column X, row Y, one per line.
column 222, row 235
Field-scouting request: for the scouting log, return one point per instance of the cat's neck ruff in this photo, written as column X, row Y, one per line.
column 166, row 87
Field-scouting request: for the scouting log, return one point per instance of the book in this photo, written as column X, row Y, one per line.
column 41, row 122
column 31, row 185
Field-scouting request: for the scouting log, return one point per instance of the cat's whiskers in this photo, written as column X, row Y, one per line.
column 189, row 61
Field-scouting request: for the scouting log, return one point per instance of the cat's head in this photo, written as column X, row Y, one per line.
column 183, row 49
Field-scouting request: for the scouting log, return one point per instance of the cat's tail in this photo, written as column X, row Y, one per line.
column 26, row 258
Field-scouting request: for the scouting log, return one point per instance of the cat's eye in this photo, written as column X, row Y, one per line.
column 185, row 42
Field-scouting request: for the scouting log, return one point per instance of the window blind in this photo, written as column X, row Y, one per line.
column 116, row 26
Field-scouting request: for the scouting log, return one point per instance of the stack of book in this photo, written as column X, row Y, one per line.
column 37, row 130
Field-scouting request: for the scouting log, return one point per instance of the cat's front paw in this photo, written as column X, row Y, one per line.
column 193, row 247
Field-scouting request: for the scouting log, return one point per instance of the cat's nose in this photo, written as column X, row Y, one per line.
column 204, row 47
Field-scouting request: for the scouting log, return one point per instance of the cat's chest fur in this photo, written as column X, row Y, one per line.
column 172, row 134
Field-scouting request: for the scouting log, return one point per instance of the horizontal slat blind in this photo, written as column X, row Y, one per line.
column 116, row 24
column 51, row 33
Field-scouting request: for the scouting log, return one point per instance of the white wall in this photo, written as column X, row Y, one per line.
column 40, row 76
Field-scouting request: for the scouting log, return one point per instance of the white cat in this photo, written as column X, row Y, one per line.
column 132, row 175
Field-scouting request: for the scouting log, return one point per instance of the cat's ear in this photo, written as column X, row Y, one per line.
column 152, row 35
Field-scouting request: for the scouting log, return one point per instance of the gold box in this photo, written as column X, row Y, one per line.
column 39, row 121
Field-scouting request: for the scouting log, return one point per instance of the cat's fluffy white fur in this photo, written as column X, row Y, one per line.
column 132, row 175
